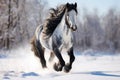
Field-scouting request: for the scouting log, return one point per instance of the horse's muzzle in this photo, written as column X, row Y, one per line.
column 74, row 27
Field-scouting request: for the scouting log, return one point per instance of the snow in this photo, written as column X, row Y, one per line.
column 21, row 64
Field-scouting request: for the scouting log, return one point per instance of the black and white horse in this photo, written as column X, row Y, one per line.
column 56, row 34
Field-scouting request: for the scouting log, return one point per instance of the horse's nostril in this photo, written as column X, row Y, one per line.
column 74, row 27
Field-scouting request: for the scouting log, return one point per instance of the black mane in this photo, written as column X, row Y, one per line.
column 53, row 20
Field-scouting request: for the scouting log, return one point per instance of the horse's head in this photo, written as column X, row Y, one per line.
column 71, row 16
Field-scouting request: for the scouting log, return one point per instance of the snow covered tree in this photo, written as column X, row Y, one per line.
column 18, row 20
column 112, row 28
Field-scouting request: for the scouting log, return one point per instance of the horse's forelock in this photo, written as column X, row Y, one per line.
column 72, row 7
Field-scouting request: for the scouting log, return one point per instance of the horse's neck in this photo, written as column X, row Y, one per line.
column 62, row 27
column 52, row 23
column 62, row 23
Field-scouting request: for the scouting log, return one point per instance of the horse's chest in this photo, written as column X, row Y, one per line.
column 64, row 39
column 68, row 40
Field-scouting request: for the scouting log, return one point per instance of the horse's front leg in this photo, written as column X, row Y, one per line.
column 68, row 66
column 52, row 55
column 58, row 66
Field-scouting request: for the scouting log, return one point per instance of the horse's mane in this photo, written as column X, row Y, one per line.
column 54, row 19
column 55, row 12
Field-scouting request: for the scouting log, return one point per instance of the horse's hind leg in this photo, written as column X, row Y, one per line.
column 41, row 54
column 68, row 66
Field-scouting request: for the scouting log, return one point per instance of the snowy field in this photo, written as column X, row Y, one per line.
column 21, row 64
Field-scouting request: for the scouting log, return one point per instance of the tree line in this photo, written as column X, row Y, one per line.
column 18, row 20
column 99, row 32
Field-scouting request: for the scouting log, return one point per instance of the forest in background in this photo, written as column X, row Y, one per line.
column 19, row 19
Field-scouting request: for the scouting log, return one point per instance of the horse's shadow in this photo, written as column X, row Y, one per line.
column 96, row 73
column 101, row 73
column 10, row 74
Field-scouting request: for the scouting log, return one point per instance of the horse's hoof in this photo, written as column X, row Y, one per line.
column 57, row 67
column 67, row 68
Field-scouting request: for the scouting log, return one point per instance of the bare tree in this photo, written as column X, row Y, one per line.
column 111, row 24
column 18, row 20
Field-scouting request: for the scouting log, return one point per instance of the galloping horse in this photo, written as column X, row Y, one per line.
column 56, row 34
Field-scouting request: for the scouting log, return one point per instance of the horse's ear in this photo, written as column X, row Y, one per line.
column 67, row 4
column 75, row 4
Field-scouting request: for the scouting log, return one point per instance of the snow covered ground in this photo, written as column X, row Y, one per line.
column 23, row 65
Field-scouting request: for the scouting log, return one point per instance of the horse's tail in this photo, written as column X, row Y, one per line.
column 38, row 50
column 34, row 46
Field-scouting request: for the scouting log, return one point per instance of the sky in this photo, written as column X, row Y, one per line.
column 101, row 5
